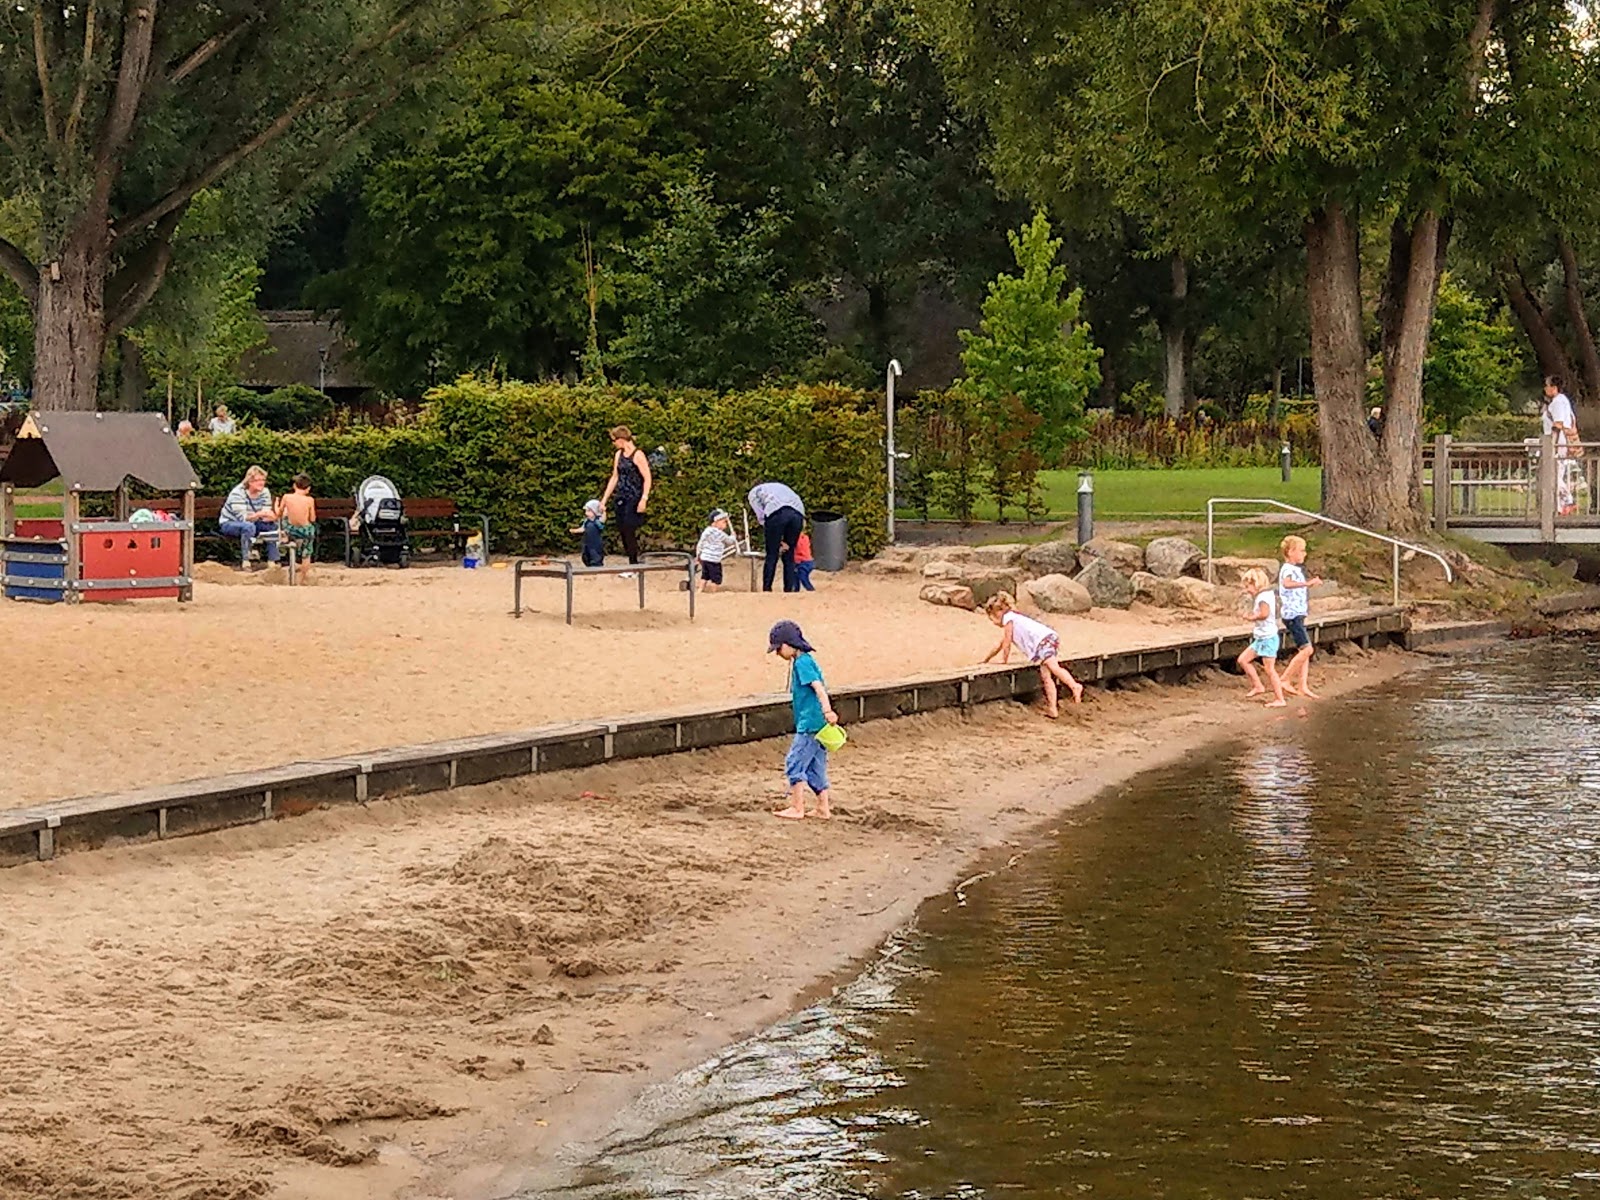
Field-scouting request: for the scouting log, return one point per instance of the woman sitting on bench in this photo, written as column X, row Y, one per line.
column 247, row 514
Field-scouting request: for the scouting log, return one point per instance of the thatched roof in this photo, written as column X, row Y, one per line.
column 296, row 340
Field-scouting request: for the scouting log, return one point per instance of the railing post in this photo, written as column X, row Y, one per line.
column 1441, row 483
column 1547, row 489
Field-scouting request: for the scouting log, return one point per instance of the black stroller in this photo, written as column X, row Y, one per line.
column 380, row 521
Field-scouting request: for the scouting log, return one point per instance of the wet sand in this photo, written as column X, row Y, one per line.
column 441, row 997
column 109, row 697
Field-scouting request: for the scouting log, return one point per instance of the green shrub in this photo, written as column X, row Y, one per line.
column 1497, row 427
column 529, row 455
column 298, row 406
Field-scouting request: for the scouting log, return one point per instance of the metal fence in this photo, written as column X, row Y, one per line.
column 1535, row 483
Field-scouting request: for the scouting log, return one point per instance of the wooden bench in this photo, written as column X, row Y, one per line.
column 339, row 511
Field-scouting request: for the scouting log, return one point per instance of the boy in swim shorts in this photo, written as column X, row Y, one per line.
column 298, row 513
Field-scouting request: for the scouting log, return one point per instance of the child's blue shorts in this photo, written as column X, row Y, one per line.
column 1266, row 647
column 807, row 762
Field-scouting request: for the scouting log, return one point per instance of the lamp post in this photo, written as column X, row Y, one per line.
column 322, row 369
column 890, row 375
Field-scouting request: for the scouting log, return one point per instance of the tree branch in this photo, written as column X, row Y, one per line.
column 222, row 164
column 42, row 65
column 208, row 49
column 22, row 272
column 82, row 94
column 136, row 282
column 133, row 72
column 1478, row 47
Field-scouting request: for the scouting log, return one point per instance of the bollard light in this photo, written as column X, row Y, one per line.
column 1283, row 461
column 1085, row 507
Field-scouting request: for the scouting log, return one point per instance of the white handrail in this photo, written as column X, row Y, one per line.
column 1211, row 543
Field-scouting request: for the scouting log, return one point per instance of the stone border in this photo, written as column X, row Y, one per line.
column 41, row 831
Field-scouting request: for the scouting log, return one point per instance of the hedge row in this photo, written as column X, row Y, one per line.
column 529, row 455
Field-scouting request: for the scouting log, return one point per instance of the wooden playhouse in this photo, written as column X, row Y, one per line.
column 77, row 558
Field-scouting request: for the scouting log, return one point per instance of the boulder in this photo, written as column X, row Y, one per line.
column 1051, row 558
column 1007, row 554
column 1170, row 557
column 1107, row 586
column 930, row 554
column 942, row 569
column 887, row 566
column 1058, row 594
column 952, row 594
column 1153, row 589
column 1227, row 571
column 986, row 581
column 899, row 554
column 1197, row 594
column 1122, row 556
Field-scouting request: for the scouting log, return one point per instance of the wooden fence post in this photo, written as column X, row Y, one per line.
column 1547, row 489
column 1441, row 483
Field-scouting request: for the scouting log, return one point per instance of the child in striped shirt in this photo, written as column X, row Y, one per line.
column 715, row 544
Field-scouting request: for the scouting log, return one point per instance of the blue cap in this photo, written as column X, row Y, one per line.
column 787, row 633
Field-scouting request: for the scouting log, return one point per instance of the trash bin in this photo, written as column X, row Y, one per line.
column 830, row 540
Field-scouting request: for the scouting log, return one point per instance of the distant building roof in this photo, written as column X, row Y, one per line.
column 95, row 452
column 296, row 341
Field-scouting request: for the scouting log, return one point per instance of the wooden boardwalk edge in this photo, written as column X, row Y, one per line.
column 41, row 831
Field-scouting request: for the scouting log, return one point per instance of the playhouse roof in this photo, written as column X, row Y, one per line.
column 95, row 452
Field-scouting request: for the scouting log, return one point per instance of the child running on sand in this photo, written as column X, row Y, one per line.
column 807, row 762
column 1039, row 642
column 1264, row 612
column 1294, row 605
column 298, row 513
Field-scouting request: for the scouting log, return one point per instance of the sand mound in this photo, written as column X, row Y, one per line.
column 300, row 1123
column 72, row 1169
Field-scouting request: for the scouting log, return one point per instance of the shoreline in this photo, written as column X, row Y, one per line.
column 452, row 995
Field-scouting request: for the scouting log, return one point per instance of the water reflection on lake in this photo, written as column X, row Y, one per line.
column 1358, row 957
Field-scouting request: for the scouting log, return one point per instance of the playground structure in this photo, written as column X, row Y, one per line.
column 77, row 558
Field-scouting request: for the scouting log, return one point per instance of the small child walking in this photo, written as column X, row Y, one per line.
column 1036, row 640
column 1264, row 644
column 298, row 513
column 1295, row 603
column 594, row 533
column 803, row 562
column 715, row 544
column 806, row 764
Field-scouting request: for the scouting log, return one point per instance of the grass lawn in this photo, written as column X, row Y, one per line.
column 1165, row 493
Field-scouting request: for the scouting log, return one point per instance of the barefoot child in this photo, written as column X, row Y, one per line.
column 298, row 512
column 1264, row 612
column 1039, row 642
column 1296, row 603
column 807, row 761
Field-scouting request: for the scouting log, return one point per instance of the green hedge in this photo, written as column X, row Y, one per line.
column 529, row 455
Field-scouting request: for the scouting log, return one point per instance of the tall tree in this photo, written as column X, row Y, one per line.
column 1230, row 121
column 116, row 114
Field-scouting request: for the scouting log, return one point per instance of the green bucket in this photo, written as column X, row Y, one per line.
column 832, row 737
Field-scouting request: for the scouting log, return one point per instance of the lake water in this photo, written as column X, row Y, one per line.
column 1357, row 958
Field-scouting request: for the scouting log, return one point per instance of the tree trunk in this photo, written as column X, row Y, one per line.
column 69, row 336
column 1175, row 335
column 1276, row 404
column 1547, row 347
column 132, row 381
column 1366, row 482
column 1572, row 287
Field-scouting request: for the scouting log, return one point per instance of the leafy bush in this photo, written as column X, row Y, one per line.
column 1497, row 427
column 1129, row 443
column 298, row 406
column 529, row 455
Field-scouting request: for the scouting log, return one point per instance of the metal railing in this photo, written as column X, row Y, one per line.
column 1395, row 543
column 1534, row 483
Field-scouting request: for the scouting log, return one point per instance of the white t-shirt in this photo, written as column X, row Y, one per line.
column 220, row 425
column 1558, row 409
column 1267, row 626
column 1296, row 600
column 1027, row 635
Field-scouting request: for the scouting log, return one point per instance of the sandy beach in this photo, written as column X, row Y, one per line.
column 107, row 697
column 441, row 997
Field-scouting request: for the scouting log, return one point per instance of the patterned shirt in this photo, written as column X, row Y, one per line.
column 242, row 506
column 715, row 545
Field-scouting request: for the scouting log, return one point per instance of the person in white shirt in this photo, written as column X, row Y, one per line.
column 222, row 423
column 1295, row 604
column 781, row 515
column 715, row 544
column 1264, row 637
column 1558, row 420
column 1036, row 640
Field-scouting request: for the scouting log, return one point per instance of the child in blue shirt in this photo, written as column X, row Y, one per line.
column 806, row 764
column 593, row 530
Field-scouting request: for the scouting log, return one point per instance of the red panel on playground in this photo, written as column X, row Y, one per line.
column 153, row 554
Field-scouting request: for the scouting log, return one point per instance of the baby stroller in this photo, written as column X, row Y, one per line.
column 381, row 522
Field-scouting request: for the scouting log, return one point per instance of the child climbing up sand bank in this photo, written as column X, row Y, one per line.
column 1039, row 642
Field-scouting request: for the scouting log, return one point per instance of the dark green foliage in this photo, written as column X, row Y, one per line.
column 298, row 406
column 530, row 455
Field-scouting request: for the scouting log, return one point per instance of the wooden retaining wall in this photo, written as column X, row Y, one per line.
column 196, row 806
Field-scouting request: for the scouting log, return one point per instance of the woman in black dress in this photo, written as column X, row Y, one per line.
column 630, row 483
